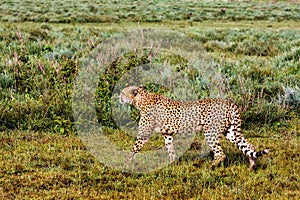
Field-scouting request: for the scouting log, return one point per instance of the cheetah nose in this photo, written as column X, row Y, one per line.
column 120, row 99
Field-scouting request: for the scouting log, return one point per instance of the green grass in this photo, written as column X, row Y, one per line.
column 147, row 11
column 47, row 166
column 253, row 45
column 39, row 62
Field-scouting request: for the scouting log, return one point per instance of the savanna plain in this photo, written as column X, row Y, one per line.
column 253, row 46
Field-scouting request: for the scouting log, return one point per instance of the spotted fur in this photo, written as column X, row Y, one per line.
column 215, row 117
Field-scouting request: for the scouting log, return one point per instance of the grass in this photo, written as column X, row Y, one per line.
column 253, row 47
column 37, row 58
column 150, row 11
column 46, row 166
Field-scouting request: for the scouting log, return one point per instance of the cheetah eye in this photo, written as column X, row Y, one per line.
column 134, row 92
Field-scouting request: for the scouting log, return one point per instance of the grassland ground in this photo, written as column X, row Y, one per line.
column 42, row 157
column 36, row 165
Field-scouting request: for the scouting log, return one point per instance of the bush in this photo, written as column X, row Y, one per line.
column 38, row 72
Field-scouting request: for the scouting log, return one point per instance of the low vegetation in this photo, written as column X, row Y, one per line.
column 148, row 11
column 48, row 166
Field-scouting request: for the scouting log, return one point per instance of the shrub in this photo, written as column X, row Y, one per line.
column 39, row 64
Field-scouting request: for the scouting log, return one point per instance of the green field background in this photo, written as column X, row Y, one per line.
column 253, row 45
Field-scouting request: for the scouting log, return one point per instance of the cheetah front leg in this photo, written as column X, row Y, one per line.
column 138, row 145
column 170, row 147
column 145, row 130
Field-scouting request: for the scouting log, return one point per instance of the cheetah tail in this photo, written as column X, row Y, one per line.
column 254, row 154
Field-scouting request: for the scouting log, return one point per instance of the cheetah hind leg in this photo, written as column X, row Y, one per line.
column 213, row 141
column 219, row 156
column 253, row 155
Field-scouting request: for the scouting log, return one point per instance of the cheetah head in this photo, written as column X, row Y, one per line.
column 130, row 94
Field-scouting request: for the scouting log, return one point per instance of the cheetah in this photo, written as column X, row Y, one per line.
column 215, row 117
